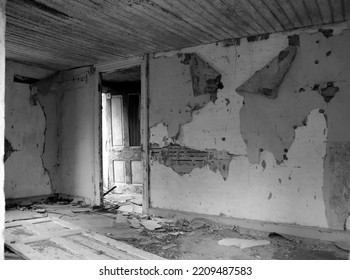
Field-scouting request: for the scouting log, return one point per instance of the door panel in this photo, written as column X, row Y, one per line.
column 119, row 171
column 136, row 171
column 117, row 120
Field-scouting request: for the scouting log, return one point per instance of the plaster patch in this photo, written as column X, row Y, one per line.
column 267, row 80
column 173, row 101
column 159, row 135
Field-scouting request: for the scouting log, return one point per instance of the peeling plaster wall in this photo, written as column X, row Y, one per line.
column 289, row 155
column 78, row 135
column 30, row 131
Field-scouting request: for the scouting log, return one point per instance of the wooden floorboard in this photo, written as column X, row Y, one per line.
column 57, row 239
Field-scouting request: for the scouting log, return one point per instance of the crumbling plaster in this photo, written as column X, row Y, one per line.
column 31, row 131
column 280, row 171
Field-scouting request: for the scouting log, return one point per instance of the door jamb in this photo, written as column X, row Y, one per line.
column 144, row 96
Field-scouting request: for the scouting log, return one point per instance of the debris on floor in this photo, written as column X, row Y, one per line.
column 177, row 237
column 150, row 225
column 242, row 243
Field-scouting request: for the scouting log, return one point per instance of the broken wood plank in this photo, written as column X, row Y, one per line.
column 37, row 238
column 111, row 189
column 96, row 246
column 81, row 251
column 124, row 247
column 25, row 251
column 23, row 222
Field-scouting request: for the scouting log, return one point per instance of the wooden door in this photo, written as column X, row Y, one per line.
column 55, row 239
column 123, row 119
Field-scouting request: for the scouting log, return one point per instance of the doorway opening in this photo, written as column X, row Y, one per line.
column 121, row 137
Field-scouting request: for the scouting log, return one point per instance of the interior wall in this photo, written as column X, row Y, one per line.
column 30, row 132
column 79, row 135
column 246, row 155
column 2, row 122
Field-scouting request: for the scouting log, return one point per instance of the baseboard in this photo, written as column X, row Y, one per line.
column 40, row 198
column 281, row 228
column 37, row 198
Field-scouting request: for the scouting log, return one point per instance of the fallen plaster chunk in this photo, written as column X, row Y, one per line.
column 134, row 223
column 197, row 224
column 126, row 208
column 164, row 221
column 242, row 243
column 137, row 209
column 150, row 225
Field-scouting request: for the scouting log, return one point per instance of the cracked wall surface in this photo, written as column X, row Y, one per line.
column 291, row 152
column 174, row 107
column 29, row 168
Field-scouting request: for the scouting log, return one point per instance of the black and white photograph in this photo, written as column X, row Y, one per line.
column 210, row 134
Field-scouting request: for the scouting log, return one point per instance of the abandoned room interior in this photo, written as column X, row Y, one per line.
column 158, row 129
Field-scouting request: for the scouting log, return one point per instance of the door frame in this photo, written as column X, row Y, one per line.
column 143, row 62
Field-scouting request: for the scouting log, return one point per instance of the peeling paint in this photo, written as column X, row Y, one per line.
column 267, row 80
column 280, row 143
column 326, row 32
column 205, row 79
column 258, row 38
column 175, row 99
column 26, row 173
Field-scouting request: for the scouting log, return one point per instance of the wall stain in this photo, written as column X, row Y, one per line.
column 326, row 32
column 230, row 42
column 270, row 195
column 258, row 38
column 294, row 40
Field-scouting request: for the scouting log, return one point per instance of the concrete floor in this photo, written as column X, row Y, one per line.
column 178, row 238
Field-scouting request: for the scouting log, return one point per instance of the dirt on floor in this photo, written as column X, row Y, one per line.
column 175, row 238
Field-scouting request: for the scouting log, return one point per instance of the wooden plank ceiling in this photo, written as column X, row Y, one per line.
column 61, row 34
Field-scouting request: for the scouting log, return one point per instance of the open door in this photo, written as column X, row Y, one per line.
column 122, row 136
